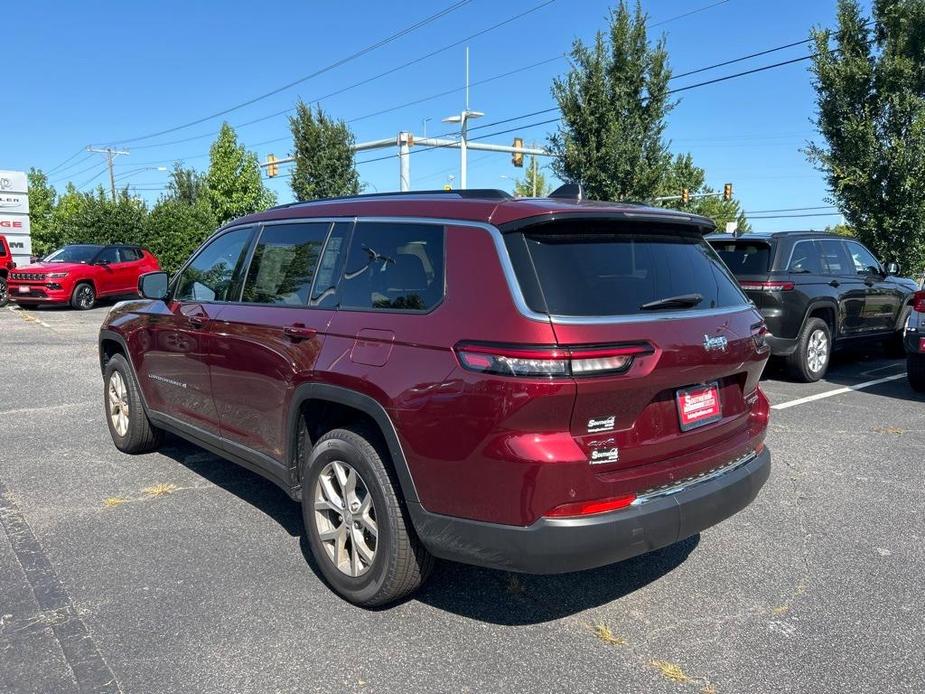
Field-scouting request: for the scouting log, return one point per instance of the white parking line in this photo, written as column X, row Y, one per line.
column 837, row 391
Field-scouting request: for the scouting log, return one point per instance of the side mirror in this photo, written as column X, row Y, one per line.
column 153, row 285
column 891, row 268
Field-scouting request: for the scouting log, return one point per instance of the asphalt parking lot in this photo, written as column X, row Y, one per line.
column 177, row 571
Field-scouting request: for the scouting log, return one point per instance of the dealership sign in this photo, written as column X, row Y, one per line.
column 14, row 214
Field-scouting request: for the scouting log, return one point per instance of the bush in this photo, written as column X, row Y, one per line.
column 175, row 229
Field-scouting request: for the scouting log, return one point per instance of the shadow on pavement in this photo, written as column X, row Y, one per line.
column 491, row 596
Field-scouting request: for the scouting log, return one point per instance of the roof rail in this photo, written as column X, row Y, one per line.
column 467, row 194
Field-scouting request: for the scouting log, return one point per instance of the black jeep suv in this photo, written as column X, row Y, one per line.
column 817, row 291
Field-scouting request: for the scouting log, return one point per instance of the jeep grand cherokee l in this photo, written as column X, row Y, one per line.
column 532, row 385
column 80, row 274
column 817, row 291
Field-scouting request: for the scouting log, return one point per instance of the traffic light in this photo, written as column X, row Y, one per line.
column 272, row 166
column 447, row 186
column 685, row 196
column 517, row 158
column 727, row 192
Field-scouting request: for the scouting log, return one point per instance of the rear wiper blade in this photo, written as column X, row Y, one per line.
column 681, row 301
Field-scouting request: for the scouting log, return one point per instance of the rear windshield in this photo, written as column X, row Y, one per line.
column 606, row 270
column 744, row 257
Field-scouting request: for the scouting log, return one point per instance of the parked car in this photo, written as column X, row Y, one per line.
column 914, row 342
column 816, row 292
column 81, row 274
column 6, row 265
column 532, row 385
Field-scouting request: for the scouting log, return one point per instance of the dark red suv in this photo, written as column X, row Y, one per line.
column 531, row 385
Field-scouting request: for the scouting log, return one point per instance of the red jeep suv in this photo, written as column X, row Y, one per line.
column 6, row 265
column 81, row 274
column 531, row 385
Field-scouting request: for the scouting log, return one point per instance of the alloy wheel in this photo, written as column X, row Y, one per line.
column 118, row 403
column 85, row 296
column 346, row 518
column 817, row 353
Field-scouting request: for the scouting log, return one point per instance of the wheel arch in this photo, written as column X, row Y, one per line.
column 825, row 309
column 338, row 406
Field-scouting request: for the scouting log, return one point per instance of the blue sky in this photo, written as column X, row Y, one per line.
column 106, row 72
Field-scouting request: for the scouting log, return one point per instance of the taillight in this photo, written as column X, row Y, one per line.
column 760, row 337
column 590, row 508
column 770, row 286
column 918, row 302
column 509, row 360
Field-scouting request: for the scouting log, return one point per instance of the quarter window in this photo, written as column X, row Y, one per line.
column 284, row 263
column 109, row 255
column 805, row 258
column 394, row 266
column 214, row 273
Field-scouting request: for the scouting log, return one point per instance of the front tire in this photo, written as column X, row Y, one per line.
column 810, row 360
column 358, row 531
column 915, row 371
column 129, row 426
column 83, row 298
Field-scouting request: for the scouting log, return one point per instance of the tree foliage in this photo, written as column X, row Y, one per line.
column 186, row 185
column 324, row 166
column 685, row 174
column 233, row 183
column 176, row 228
column 42, row 200
column 614, row 101
column 870, row 93
column 533, row 174
column 97, row 218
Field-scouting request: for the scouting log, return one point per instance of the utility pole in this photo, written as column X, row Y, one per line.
column 110, row 155
column 463, row 120
column 534, row 171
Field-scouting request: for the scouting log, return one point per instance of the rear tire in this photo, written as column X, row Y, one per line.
column 810, row 360
column 895, row 346
column 129, row 426
column 359, row 533
column 915, row 371
column 83, row 298
column 4, row 292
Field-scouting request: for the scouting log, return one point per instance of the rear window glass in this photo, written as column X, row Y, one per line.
column 744, row 257
column 625, row 273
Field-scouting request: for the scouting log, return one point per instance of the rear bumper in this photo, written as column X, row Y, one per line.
column 552, row 546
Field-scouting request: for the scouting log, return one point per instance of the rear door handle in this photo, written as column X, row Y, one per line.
column 834, row 283
column 299, row 332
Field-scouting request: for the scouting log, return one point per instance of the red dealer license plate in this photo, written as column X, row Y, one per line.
column 698, row 406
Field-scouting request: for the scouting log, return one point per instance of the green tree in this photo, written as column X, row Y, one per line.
column 614, row 102
column 534, row 181
column 42, row 200
column 233, row 183
column 870, row 94
column 324, row 166
column 186, row 185
column 175, row 228
column 96, row 218
column 685, row 174
column 841, row 230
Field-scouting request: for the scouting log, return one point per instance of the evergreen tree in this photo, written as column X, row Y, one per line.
column 870, row 93
column 324, row 166
column 533, row 184
column 685, row 174
column 614, row 102
column 186, row 185
column 233, row 183
column 42, row 200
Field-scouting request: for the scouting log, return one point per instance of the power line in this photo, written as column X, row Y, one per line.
column 792, row 209
column 78, row 173
column 783, row 216
column 73, row 156
column 353, row 56
column 687, row 14
column 94, row 177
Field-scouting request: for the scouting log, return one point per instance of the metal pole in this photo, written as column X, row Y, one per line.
column 464, row 127
column 110, row 155
column 534, row 172
column 404, row 160
column 112, row 179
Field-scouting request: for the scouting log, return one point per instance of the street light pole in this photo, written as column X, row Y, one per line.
column 463, row 120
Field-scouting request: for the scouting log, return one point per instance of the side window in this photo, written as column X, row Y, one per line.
column 805, row 258
column 109, row 255
column 2, row 250
column 835, row 260
column 331, row 266
column 284, row 262
column 130, row 255
column 864, row 261
column 214, row 273
column 394, row 266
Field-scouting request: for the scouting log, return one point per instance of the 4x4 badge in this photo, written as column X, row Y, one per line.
column 715, row 343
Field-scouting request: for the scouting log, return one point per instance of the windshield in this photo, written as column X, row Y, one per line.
column 614, row 268
column 744, row 257
column 73, row 254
